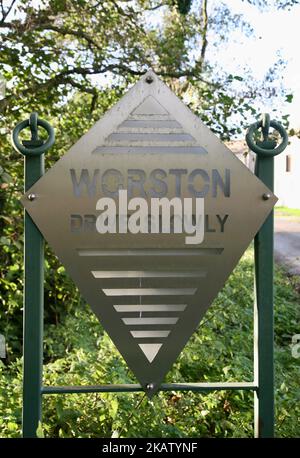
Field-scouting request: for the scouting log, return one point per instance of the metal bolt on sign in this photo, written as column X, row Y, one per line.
column 150, row 280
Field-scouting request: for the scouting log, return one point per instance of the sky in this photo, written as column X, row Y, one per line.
column 276, row 35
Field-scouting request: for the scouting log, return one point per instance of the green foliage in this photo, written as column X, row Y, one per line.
column 57, row 49
column 270, row 4
column 78, row 352
column 60, row 295
column 71, row 60
column 183, row 6
column 285, row 211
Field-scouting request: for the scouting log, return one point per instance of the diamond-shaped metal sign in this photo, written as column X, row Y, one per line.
column 149, row 280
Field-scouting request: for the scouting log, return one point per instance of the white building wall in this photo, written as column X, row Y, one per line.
column 248, row 159
column 287, row 183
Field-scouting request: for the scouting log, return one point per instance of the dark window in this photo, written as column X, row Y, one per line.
column 288, row 163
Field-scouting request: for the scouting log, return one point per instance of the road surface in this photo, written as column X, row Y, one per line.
column 287, row 242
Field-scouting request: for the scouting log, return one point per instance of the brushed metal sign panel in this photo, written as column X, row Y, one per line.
column 149, row 289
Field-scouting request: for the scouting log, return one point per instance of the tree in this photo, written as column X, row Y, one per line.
column 65, row 42
column 71, row 60
column 54, row 48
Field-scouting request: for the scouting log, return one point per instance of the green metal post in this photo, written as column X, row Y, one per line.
column 264, row 280
column 263, row 313
column 33, row 309
column 33, row 280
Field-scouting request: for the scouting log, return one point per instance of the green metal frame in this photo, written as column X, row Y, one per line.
column 263, row 384
column 34, row 278
column 264, row 281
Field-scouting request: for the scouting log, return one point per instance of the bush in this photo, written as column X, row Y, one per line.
column 79, row 352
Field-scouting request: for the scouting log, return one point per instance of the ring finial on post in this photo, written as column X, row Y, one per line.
column 35, row 146
column 266, row 147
